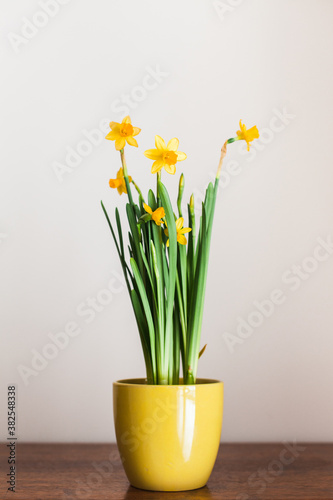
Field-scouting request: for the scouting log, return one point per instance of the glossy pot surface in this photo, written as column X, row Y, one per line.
column 168, row 435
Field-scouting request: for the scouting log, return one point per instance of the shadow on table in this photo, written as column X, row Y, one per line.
column 200, row 494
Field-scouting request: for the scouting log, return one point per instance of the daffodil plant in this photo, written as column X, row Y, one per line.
column 164, row 272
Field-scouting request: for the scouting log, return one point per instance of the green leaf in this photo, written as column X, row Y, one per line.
column 182, row 271
column 134, row 240
column 190, row 254
column 197, row 301
column 120, row 233
column 166, row 203
column 147, row 310
column 198, row 297
column 152, row 201
column 158, row 272
column 150, row 276
column 122, row 260
column 157, row 252
column 145, row 342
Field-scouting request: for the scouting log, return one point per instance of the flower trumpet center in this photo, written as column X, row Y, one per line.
column 170, row 157
column 126, row 129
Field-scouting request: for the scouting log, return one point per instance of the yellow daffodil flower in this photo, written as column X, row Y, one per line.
column 180, row 231
column 157, row 215
column 119, row 183
column 165, row 155
column 247, row 135
column 123, row 132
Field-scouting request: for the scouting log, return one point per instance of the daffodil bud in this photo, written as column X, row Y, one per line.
column 192, row 204
column 180, row 194
column 181, row 182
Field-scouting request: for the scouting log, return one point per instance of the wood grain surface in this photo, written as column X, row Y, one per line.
column 242, row 472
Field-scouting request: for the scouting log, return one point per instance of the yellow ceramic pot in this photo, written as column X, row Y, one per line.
column 168, row 435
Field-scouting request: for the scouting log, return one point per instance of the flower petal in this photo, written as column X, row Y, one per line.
column 114, row 125
column 171, row 169
column 173, row 144
column 112, row 135
column 253, row 133
column 152, row 154
column 180, row 156
column 114, row 183
column 181, row 239
column 179, row 223
column 136, row 130
column 185, row 230
column 131, row 141
column 168, row 243
column 120, row 143
column 159, row 213
column 147, row 208
column 159, row 143
column 123, row 187
column 157, row 165
column 126, row 120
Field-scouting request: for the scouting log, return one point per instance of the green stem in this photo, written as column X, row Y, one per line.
column 233, row 139
column 138, row 190
column 123, row 162
column 223, row 154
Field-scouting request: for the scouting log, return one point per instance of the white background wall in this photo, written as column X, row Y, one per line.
column 220, row 62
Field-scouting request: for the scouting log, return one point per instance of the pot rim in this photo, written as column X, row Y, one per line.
column 142, row 382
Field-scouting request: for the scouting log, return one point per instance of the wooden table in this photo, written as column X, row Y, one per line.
column 242, row 472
